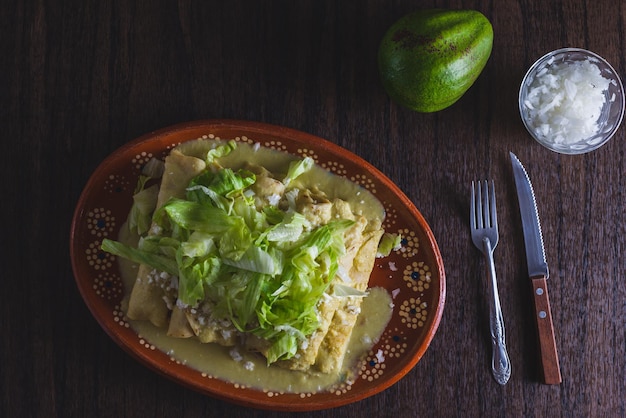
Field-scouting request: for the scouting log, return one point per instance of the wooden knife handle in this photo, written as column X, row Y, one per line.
column 545, row 328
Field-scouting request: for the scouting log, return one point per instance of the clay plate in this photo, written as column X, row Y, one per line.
column 415, row 275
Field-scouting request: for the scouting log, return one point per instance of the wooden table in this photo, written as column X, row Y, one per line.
column 80, row 79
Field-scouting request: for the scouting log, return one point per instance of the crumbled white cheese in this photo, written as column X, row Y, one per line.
column 224, row 323
column 353, row 309
column 235, row 355
column 273, row 199
column 565, row 100
column 181, row 305
column 380, row 357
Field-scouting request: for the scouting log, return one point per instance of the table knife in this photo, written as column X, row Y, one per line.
column 538, row 272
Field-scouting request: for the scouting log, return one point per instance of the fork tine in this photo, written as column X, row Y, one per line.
column 473, row 207
column 483, row 213
column 484, row 234
column 479, row 209
column 486, row 214
column 494, row 215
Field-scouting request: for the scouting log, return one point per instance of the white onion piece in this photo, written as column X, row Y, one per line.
column 565, row 100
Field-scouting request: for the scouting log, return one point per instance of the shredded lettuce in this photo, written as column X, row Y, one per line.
column 342, row 290
column 140, row 215
column 194, row 216
column 219, row 186
column 297, row 168
column 157, row 261
column 153, row 169
column 388, row 243
column 286, row 345
column 145, row 198
column 257, row 260
column 264, row 270
column 193, row 275
column 200, row 244
column 219, row 151
column 289, row 229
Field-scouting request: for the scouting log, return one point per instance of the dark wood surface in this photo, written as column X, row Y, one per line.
column 79, row 79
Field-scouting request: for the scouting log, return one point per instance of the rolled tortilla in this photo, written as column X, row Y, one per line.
column 147, row 299
column 325, row 349
column 335, row 344
column 179, row 326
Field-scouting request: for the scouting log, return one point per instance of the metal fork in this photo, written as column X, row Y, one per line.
column 484, row 226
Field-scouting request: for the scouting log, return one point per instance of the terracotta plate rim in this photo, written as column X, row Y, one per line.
column 215, row 387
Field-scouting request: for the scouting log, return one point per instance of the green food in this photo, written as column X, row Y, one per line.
column 145, row 198
column 388, row 243
column 263, row 269
column 428, row 59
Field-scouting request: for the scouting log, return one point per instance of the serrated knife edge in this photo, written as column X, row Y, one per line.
column 538, row 272
column 533, row 236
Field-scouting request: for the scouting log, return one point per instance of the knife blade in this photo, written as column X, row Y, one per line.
column 538, row 272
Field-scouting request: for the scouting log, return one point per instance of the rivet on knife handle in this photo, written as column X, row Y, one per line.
column 537, row 271
column 545, row 332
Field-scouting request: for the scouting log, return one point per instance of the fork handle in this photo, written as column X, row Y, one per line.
column 500, row 363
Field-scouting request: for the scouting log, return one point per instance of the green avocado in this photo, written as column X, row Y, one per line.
column 428, row 59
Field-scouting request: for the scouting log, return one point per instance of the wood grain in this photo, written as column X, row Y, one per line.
column 79, row 79
column 550, row 368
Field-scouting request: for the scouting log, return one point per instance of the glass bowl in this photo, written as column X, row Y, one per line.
column 559, row 106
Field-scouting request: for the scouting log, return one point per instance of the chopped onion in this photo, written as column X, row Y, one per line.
column 565, row 100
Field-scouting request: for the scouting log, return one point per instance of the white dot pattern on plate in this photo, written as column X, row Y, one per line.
column 141, row 159
column 335, row 167
column 413, row 313
column 98, row 259
column 108, row 286
column 276, row 145
column 410, row 243
column 100, row 222
column 116, row 184
column 119, row 317
column 304, row 152
column 391, row 217
column 364, row 181
column 411, row 278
